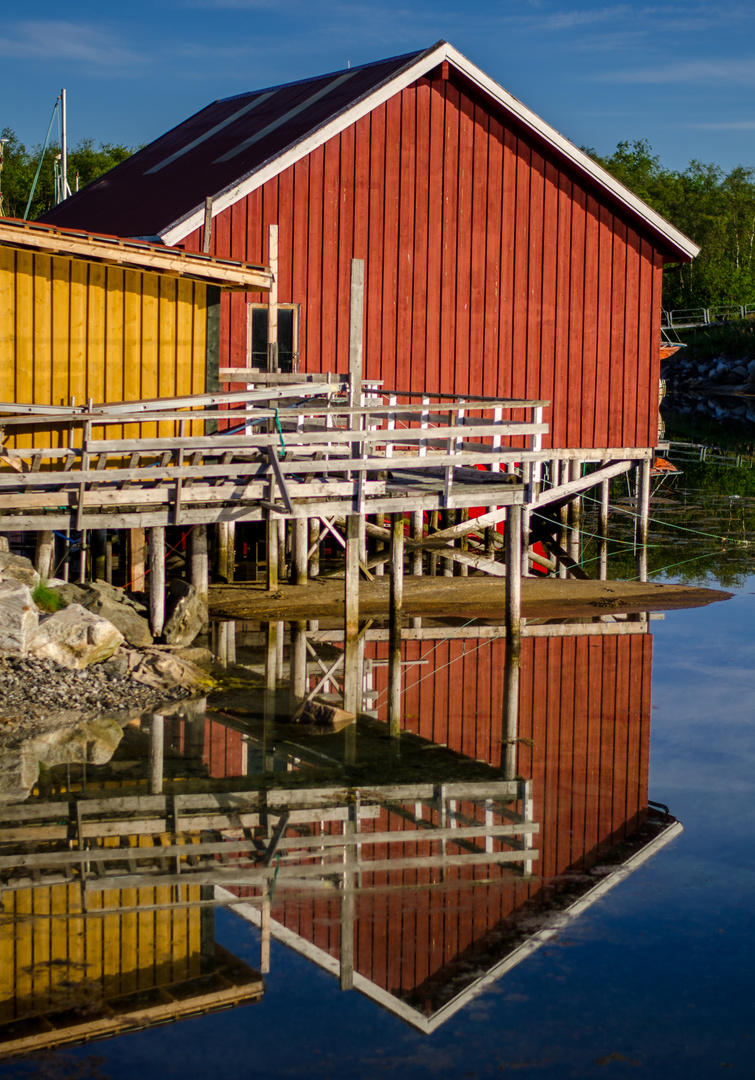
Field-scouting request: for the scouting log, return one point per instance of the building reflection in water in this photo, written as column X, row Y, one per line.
column 416, row 870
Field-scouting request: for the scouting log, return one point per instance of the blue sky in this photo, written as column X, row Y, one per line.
column 681, row 74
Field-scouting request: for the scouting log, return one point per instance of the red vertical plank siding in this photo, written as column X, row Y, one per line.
column 448, row 310
column 603, row 345
column 491, row 266
column 491, row 222
column 535, row 278
column 315, row 263
column 406, row 241
column 508, row 245
column 542, row 383
column 344, row 216
column 463, row 269
column 478, row 254
column 330, row 251
column 559, row 408
column 587, row 402
column 631, row 339
column 390, row 245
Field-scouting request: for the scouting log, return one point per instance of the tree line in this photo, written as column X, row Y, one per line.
column 714, row 208
column 85, row 161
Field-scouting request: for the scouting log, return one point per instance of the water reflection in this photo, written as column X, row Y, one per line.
column 417, row 870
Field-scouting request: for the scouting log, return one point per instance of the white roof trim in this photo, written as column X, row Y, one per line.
column 411, row 1016
column 177, row 230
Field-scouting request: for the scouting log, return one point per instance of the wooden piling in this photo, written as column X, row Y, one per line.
column 314, row 546
column 301, row 550
column 605, row 488
column 226, row 550
column 135, row 568
column 44, row 556
column 513, row 639
column 157, row 579
column 395, row 617
column 351, row 616
column 575, row 512
column 418, row 525
column 156, row 743
column 643, row 512
column 271, row 536
column 199, row 570
column 298, row 660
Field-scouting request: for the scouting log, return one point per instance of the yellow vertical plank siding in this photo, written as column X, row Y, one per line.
column 79, row 338
column 7, row 962
column 73, row 328
column 167, row 365
column 150, row 345
column 60, row 330
column 7, row 325
column 41, row 932
column 24, row 331
column 93, row 938
column 58, row 959
column 42, row 338
column 24, row 946
column 132, row 345
column 111, row 953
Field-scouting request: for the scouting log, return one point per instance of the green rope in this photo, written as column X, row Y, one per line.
column 671, row 566
column 41, row 159
column 279, row 429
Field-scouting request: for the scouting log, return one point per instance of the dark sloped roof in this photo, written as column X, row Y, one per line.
column 215, row 149
column 235, row 145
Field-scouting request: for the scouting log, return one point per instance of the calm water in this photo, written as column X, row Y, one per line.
column 651, row 978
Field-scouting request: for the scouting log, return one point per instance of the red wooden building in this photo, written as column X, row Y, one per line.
column 499, row 259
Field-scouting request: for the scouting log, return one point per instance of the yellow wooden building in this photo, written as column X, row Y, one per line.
column 95, row 318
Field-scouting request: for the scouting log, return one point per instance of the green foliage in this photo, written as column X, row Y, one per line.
column 733, row 340
column 20, row 165
column 47, row 599
column 716, row 209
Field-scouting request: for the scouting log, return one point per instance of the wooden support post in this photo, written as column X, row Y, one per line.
column 449, row 522
column 605, row 488
column 108, row 559
column 282, row 548
column 418, row 523
column 356, row 333
column 83, row 555
column 156, row 743
column 272, row 552
column 346, row 952
column 396, row 618
column 268, row 701
column 643, row 511
column 513, row 638
column 464, row 543
column 199, row 569
column 226, row 560
column 136, row 560
column 265, row 930
column 298, row 677
column 351, row 616
column 44, row 556
column 314, row 546
column 575, row 512
column 157, row 579
column 432, row 558
column 379, row 545
column 301, row 550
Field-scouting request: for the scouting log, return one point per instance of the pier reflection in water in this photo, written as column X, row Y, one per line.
column 416, row 869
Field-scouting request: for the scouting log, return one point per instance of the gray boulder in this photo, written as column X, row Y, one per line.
column 75, row 638
column 113, row 604
column 188, row 616
column 19, row 618
column 17, row 568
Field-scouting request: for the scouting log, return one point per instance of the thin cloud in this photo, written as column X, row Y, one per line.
column 741, row 72
column 59, row 40
column 726, row 125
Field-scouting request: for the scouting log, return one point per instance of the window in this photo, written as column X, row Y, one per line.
column 288, row 337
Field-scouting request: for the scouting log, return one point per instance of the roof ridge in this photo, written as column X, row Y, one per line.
column 329, row 75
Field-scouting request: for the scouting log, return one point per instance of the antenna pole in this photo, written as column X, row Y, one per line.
column 65, row 191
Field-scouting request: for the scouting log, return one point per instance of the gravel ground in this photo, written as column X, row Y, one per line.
column 31, row 689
